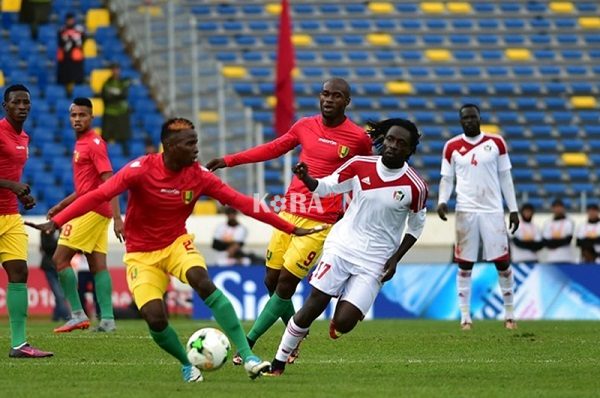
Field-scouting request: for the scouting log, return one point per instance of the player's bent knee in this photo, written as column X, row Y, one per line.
column 199, row 280
column 155, row 315
column 345, row 323
column 271, row 277
column 286, row 284
column 16, row 270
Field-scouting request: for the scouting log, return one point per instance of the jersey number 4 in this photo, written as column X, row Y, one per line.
column 473, row 160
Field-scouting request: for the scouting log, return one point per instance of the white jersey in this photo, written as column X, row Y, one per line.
column 559, row 229
column 527, row 232
column 589, row 230
column 476, row 163
column 384, row 202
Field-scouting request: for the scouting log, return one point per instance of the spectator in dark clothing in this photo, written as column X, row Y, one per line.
column 48, row 246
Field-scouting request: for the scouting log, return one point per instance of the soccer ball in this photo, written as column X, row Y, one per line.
column 208, row 349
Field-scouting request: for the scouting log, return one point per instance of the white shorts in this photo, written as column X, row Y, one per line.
column 490, row 228
column 350, row 282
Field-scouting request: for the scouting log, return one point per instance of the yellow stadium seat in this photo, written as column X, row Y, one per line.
column 205, row 208
column 575, row 159
column 208, row 116
column 271, row 101
column 459, row 7
column 95, row 18
column 562, row 6
column 432, row 7
column 98, row 130
column 296, row 72
column 399, row 87
column 381, row 8
column 273, row 8
column 90, row 48
column 490, row 128
column 380, row 39
column 1, row 79
column 589, row 22
column 438, row 55
column 234, row 72
column 301, row 40
column 154, row 11
column 97, row 106
column 98, row 77
column 518, row 54
column 10, row 5
column 583, row 101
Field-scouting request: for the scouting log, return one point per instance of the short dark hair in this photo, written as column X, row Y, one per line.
column 378, row 130
column 174, row 125
column 13, row 88
column 527, row 206
column 468, row 105
column 82, row 101
column 558, row 202
column 592, row 206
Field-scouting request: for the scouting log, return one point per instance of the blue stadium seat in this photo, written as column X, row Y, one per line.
column 462, row 24
column 513, row 131
column 573, row 145
column 527, row 188
column 541, row 131
column 578, row 174
column 568, row 131
column 555, row 189
column 546, row 159
column 519, row 160
column 586, row 187
column 520, row 145
column 389, row 102
column 550, row 174
column 522, row 174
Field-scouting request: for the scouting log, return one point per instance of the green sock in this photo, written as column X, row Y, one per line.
column 68, row 282
column 104, row 294
column 289, row 312
column 276, row 307
column 17, row 302
column 226, row 317
column 169, row 341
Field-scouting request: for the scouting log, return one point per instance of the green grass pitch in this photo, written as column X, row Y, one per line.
column 379, row 359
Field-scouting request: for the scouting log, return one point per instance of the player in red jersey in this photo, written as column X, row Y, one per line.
column 13, row 238
column 481, row 165
column 328, row 140
column 384, row 220
column 163, row 189
column 89, row 233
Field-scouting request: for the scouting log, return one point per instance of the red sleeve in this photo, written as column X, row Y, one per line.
column 346, row 171
column 99, row 156
column 368, row 150
column 500, row 143
column 270, row 150
column 419, row 190
column 105, row 192
column 247, row 205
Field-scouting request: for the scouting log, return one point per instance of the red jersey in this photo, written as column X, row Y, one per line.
column 90, row 160
column 161, row 200
column 324, row 150
column 13, row 155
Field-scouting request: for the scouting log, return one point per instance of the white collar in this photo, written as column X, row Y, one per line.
column 386, row 174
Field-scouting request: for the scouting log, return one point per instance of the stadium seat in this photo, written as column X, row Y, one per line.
column 95, row 18
column 380, row 39
column 561, row 7
column 381, row 8
column 575, row 159
column 583, row 102
column 97, row 79
column 97, row 106
column 518, row 54
column 399, row 87
column 234, row 72
column 589, row 22
column 438, row 55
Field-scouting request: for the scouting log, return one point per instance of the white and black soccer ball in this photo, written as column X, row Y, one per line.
column 208, row 349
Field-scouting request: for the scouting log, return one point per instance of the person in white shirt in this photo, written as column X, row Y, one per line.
column 588, row 235
column 557, row 235
column 526, row 242
column 228, row 240
column 481, row 166
column 383, row 221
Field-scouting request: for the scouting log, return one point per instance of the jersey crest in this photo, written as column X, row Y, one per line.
column 343, row 151
column 75, row 156
column 188, row 197
column 398, row 195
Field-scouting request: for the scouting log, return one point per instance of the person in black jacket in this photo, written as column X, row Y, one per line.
column 48, row 244
column 526, row 242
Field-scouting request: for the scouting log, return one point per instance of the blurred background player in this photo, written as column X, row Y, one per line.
column 588, row 235
column 69, row 56
column 115, row 120
column 526, row 242
column 88, row 233
column 167, row 185
column 557, row 235
column 228, row 239
column 327, row 141
column 364, row 247
column 48, row 243
column 13, row 238
column 481, row 166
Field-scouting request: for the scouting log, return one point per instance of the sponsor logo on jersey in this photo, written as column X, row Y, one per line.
column 366, row 180
column 188, row 197
column 326, row 141
column 97, row 141
column 173, row 191
column 75, row 156
column 135, row 164
column 343, row 151
column 398, row 195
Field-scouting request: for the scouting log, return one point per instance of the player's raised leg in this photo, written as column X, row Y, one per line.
column 68, row 281
column 226, row 317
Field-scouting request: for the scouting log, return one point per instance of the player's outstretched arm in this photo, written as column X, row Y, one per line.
column 48, row 227
column 54, row 210
column 301, row 171
column 216, row 164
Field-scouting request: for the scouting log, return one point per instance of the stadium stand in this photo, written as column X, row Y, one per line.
column 531, row 66
column 32, row 62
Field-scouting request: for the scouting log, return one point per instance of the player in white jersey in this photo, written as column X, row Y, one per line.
column 588, row 235
column 527, row 240
column 383, row 221
column 558, row 234
column 481, row 166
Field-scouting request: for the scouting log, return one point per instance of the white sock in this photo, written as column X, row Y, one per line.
column 291, row 337
column 463, row 284
column 505, row 280
column 79, row 314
